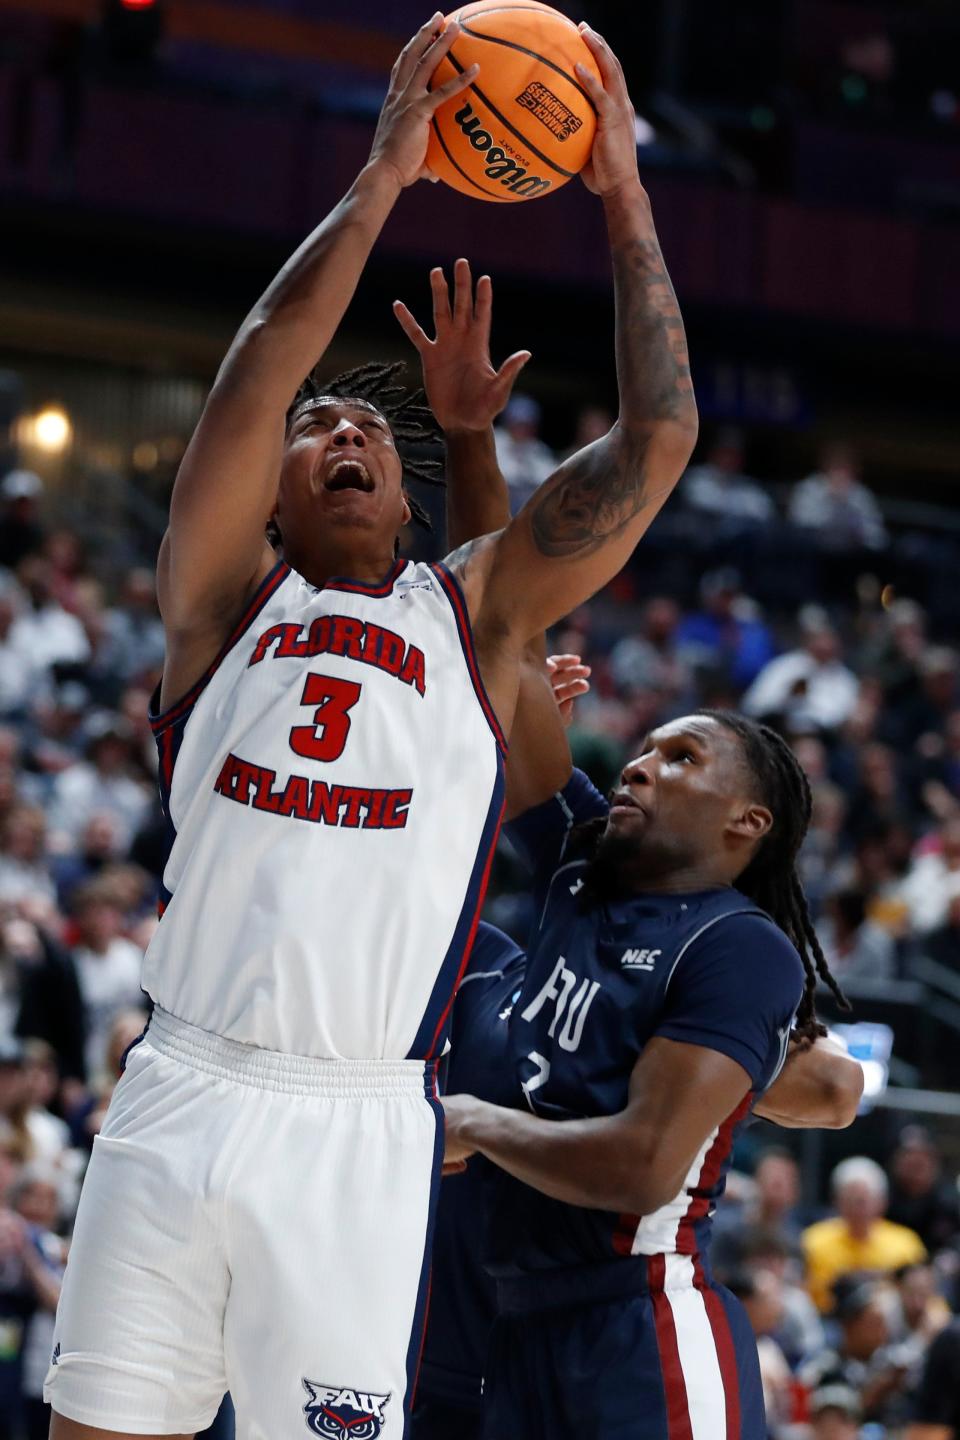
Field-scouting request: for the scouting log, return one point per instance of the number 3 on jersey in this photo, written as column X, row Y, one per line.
column 326, row 737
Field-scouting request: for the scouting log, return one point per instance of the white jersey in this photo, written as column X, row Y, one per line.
column 334, row 787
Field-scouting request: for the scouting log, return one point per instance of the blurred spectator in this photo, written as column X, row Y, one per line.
column 800, row 1331
column 49, row 1135
column 822, row 846
column 86, row 1116
column 835, row 504
column 725, row 637
column 40, row 993
column 806, row 687
column 759, row 1292
column 935, row 1406
column 64, row 553
column 24, row 872
column 108, row 969
column 103, row 782
column 98, row 847
column 920, row 1195
column 53, row 636
column 834, row 1414
column 857, row 1240
column 719, row 488
column 21, row 676
column 40, row 1259
column 863, row 1359
column 21, row 532
column 934, row 880
column 856, row 947
column 593, row 422
column 132, row 642
column 881, row 797
column 647, row 659
column 522, row 456
column 918, row 1313
column 943, row 943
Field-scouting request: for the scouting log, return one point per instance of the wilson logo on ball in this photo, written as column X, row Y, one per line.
column 499, row 165
column 550, row 110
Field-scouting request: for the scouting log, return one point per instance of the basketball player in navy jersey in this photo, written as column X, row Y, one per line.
column 818, row 1087
column 657, row 1007
column 331, row 733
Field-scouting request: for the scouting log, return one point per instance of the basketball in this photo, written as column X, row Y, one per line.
column 526, row 125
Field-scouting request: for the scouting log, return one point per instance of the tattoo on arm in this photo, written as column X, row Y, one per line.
column 601, row 490
column 457, row 561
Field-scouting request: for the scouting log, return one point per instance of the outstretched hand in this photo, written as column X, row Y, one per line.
column 464, row 391
column 613, row 160
column 570, row 679
column 404, row 125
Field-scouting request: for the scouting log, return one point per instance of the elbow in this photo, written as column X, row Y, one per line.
column 646, row 1184
column 845, row 1094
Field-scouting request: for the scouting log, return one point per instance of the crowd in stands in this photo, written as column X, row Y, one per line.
column 852, row 1311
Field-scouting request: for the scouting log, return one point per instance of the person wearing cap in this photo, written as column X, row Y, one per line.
column 834, row 1413
column 21, row 532
column 524, row 460
column 719, row 488
column 858, row 1239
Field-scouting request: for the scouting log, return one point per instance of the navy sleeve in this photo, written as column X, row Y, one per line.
column 735, row 989
column 540, row 835
column 493, row 952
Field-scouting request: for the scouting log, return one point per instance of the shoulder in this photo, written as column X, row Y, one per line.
column 822, row 1233
column 745, row 938
column 901, row 1237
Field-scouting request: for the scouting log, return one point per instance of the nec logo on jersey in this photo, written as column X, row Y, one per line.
column 639, row 959
column 342, row 1414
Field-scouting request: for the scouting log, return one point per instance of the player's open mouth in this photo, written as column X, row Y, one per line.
column 349, row 474
column 623, row 800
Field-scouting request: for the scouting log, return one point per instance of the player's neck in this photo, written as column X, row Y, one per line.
column 319, row 564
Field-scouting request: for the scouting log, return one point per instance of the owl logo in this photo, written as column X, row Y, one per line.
column 339, row 1413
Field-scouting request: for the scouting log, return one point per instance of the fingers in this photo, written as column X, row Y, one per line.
column 439, row 46
column 413, row 52
column 510, row 369
column 449, row 88
column 611, row 71
column 414, row 333
column 462, row 293
column 453, row 1167
column 441, row 299
column 570, row 691
column 566, row 662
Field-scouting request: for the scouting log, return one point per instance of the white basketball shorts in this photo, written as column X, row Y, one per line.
column 254, row 1222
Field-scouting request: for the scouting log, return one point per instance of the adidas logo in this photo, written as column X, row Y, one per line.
column 639, row 959
column 55, row 1357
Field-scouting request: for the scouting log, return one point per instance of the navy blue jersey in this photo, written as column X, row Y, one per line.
column 707, row 969
column 463, row 1295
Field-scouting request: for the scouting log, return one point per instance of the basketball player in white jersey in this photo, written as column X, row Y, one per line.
column 331, row 726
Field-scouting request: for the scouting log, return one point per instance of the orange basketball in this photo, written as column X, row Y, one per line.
column 526, row 124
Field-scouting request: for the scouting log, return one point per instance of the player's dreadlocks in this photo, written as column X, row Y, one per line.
column 771, row 878
column 410, row 419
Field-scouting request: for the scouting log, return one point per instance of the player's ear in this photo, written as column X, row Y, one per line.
column 751, row 822
column 406, row 514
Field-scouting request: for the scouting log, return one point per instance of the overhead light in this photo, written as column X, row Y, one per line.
column 51, row 430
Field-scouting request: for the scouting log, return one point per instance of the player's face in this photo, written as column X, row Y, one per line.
column 341, row 468
column 678, row 798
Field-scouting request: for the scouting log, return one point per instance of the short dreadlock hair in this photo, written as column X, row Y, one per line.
column 770, row 880
column 409, row 417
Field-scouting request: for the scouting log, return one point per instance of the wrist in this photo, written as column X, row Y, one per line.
column 460, row 433
column 378, row 181
column 626, row 195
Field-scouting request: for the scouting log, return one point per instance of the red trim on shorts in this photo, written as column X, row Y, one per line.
column 726, row 1353
column 674, row 1385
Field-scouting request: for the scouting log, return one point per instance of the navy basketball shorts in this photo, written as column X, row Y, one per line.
column 252, row 1222
column 655, row 1353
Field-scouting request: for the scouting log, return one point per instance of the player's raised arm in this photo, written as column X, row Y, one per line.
column 580, row 527
column 214, row 552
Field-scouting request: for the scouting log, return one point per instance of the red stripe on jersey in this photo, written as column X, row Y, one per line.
column 726, row 1353
column 674, row 1385
column 270, row 584
column 455, row 594
column 709, row 1175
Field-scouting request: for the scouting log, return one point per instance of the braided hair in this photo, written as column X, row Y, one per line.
column 771, row 878
column 410, row 419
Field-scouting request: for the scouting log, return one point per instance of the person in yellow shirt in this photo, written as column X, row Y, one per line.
column 857, row 1238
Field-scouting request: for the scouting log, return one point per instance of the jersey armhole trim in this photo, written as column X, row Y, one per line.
column 458, row 605
column 265, row 590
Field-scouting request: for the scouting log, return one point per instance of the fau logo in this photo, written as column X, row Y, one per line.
column 342, row 1414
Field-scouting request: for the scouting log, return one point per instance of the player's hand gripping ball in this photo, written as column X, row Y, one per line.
column 526, row 124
